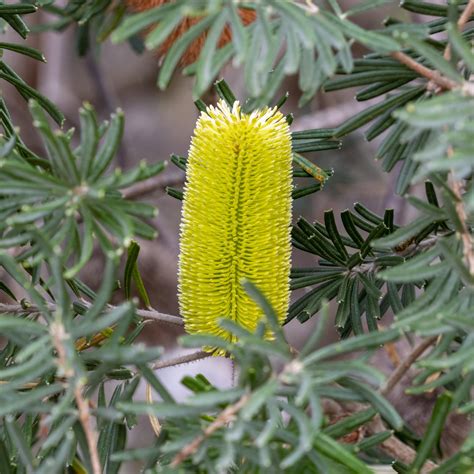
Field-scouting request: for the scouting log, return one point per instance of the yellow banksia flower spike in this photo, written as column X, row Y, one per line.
column 236, row 218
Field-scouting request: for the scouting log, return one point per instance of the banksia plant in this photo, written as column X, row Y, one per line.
column 394, row 391
column 236, row 218
column 194, row 50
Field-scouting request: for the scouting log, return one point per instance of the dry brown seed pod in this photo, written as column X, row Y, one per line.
column 192, row 53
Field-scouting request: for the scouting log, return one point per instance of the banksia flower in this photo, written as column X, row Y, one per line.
column 192, row 53
column 236, row 218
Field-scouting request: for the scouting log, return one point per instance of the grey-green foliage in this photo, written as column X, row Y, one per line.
column 74, row 192
column 64, row 338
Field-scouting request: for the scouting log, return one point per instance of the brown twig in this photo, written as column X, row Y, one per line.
column 152, row 185
column 59, row 335
column 162, row 364
column 226, row 416
column 406, row 363
column 393, row 446
column 91, row 435
column 434, row 76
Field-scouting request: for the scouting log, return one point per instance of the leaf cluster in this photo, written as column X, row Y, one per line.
column 277, row 419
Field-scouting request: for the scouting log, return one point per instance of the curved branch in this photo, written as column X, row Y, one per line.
column 434, row 76
column 160, row 317
column 142, row 313
column 405, row 365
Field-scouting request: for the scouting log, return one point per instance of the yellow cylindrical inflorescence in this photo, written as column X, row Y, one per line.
column 236, row 218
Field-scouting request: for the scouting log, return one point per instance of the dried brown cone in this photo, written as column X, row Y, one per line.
column 192, row 53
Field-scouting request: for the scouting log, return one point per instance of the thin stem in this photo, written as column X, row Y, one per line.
column 152, row 185
column 142, row 313
column 160, row 317
column 468, row 251
column 465, row 233
column 154, row 421
column 463, row 19
column 434, row 76
column 91, row 435
column 162, row 364
column 405, row 365
column 226, row 416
